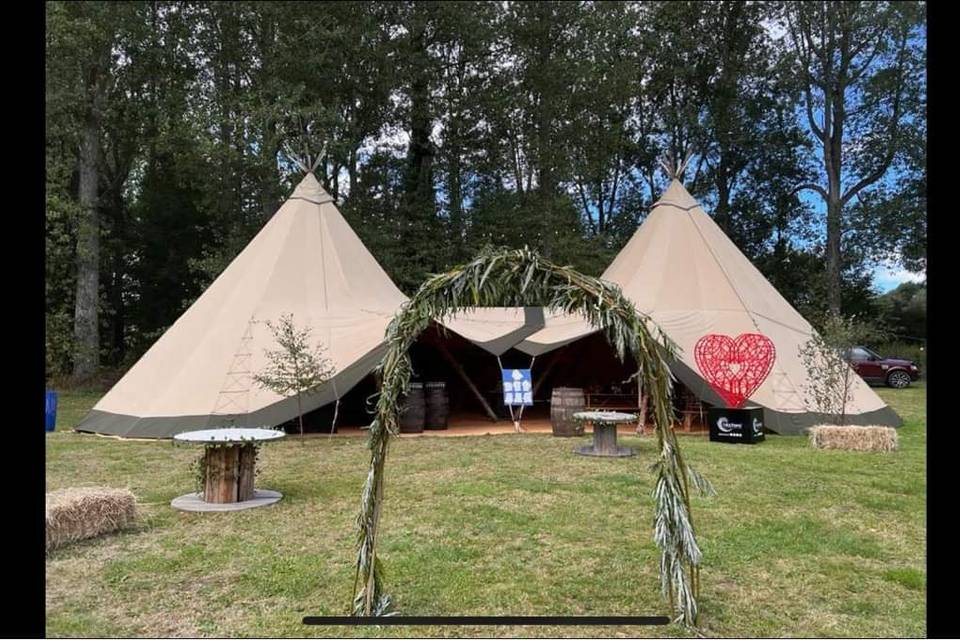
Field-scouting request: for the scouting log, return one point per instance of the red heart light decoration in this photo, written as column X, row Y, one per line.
column 735, row 368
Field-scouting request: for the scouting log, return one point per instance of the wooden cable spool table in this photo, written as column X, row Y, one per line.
column 229, row 465
column 605, row 433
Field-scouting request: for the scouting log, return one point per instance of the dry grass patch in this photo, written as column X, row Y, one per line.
column 852, row 438
column 81, row 513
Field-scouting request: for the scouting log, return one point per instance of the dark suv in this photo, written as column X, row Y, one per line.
column 872, row 367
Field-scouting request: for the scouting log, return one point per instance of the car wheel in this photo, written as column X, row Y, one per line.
column 898, row 379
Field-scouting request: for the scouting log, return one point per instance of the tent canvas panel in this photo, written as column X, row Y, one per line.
column 496, row 329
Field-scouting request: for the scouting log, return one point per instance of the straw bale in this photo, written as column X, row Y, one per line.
column 79, row 513
column 853, row 438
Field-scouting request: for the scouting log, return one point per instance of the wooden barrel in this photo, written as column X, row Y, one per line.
column 438, row 405
column 413, row 411
column 565, row 402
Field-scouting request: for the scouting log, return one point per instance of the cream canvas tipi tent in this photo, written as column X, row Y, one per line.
column 689, row 277
column 306, row 261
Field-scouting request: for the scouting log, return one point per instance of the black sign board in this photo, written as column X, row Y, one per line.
column 736, row 426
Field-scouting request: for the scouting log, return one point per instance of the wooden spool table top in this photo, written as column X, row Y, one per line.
column 604, row 433
column 228, row 436
column 229, row 468
column 611, row 417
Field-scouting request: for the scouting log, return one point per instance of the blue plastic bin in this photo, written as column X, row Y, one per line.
column 51, row 422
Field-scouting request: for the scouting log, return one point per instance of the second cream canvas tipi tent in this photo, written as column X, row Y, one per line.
column 680, row 269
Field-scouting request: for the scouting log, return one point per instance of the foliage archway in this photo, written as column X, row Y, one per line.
column 500, row 277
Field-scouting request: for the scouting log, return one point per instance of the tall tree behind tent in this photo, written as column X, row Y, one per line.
column 524, row 137
column 83, row 36
column 715, row 79
column 62, row 208
column 860, row 68
column 96, row 106
column 421, row 235
column 240, row 99
column 466, row 56
column 171, row 182
column 335, row 97
column 753, row 153
column 610, row 146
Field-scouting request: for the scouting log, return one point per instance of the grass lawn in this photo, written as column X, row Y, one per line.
column 797, row 543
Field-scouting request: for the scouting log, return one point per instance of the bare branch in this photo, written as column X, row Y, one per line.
column 855, row 73
column 293, row 157
column 320, row 156
column 811, row 187
column 806, row 63
column 586, row 208
column 893, row 131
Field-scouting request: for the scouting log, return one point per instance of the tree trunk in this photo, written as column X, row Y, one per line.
column 834, row 115
column 86, row 327
column 846, row 394
column 114, row 264
column 545, row 104
column 335, row 182
column 271, row 177
column 721, row 213
column 456, row 195
column 118, row 328
column 418, row 210
column 300, row 416
column 834, row 213
column 352, row 173
column 419, row 183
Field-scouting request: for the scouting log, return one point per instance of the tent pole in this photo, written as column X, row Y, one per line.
column 513, row 419
column 642, row 419
column 463, row 374
column 336, row 409
column 555, row 358
column 641, row 403
column 520, row 414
